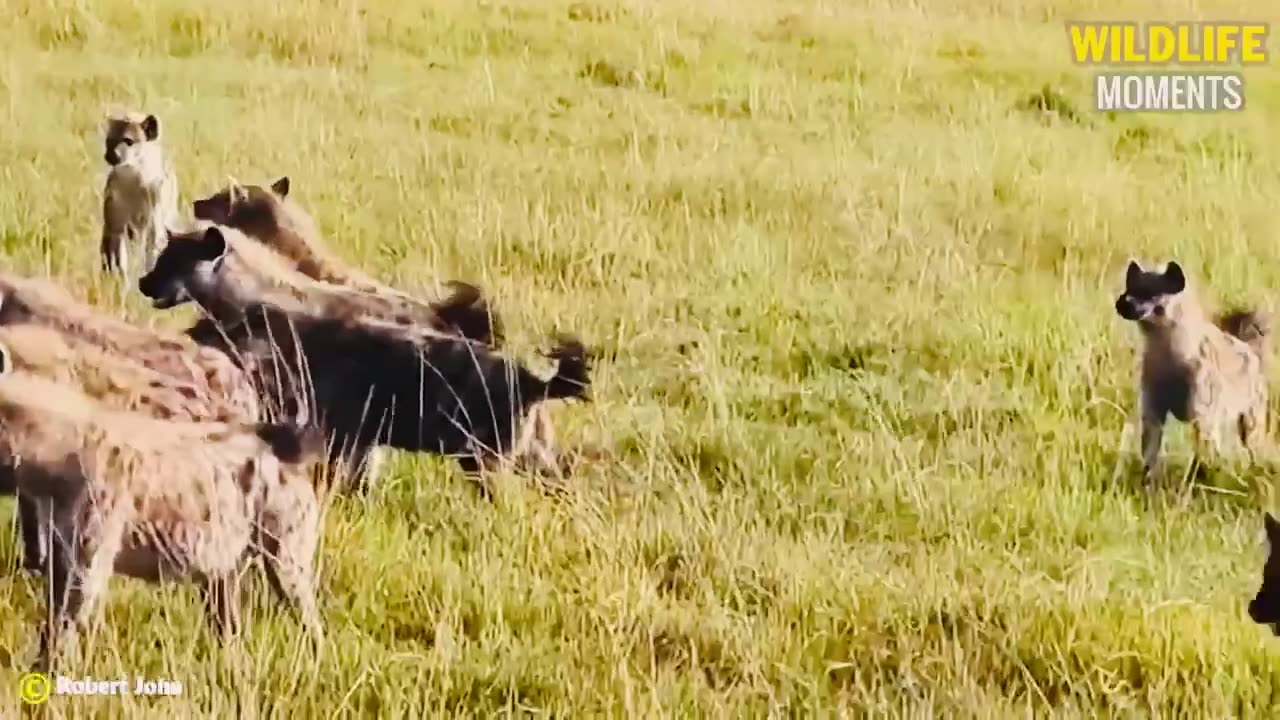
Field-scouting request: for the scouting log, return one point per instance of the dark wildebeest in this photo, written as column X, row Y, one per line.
column 368, row 382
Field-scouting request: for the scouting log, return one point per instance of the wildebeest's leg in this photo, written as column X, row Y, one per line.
column 475, row 466
column 535, row 450
column 369, row 469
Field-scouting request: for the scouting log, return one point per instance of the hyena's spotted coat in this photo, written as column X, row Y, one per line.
column 140, row 199
column 117, row 362
column 158, row 500
column 1206, row 373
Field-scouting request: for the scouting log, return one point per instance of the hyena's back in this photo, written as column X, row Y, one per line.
column 35, row 301
column 1249, row 326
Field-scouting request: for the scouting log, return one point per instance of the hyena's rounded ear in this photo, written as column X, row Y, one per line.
column 1134, row 273
column 281, row 186
column 1175, row 281
column 214, row 244
column 151, row 127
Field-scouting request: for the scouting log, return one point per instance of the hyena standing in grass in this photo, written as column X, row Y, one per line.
column 232, row 269
column 118, row 362
column 140, row 199
column 267, row 215
column 1208, row 373
column 30, row 300
column 159, row 500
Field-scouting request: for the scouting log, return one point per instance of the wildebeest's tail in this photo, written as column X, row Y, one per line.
column 292, row 443
column 1250, row 326
column 468, row 313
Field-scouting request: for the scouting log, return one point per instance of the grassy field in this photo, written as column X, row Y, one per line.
column 863, row 422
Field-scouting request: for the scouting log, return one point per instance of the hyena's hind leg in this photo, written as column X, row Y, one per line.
column 81, row 563
column 1206, row 438
column 163, row 210
column 288, row 557
column 1250, row 425
column 221, row 595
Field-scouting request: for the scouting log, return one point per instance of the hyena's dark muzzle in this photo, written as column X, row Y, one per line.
column 1126, row 308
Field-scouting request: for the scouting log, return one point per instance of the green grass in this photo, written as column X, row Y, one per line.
column 866, row 403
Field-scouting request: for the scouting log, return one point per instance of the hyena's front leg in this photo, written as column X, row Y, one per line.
column 156, row 238
column 64, row 603
column 115, row 232
column 1152, row 438
column 81, row 562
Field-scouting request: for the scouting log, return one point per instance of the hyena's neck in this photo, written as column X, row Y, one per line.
column 149, row 163
column 232, row 290
column 298, row 238
column 1181, row 341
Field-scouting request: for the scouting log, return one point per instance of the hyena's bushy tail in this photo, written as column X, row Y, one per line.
column 1251, row 326
column 292, row 443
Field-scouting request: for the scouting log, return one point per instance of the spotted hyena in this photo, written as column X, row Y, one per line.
column 180, row 364
column 1205, row 372
column 158, row 500
column 224, row 271
column 269, row 216
column 140, row 199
